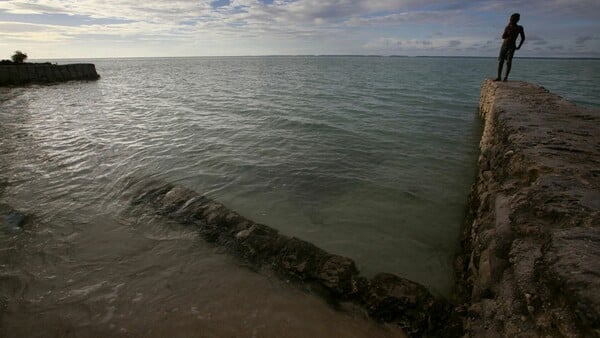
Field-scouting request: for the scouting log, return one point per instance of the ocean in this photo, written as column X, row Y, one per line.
column 366, row 157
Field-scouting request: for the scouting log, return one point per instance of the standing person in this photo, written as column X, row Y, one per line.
column 511, row 32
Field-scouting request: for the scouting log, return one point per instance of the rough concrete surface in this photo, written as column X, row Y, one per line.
column 531, row 250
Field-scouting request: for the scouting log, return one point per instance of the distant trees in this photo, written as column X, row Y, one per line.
column 19, row 57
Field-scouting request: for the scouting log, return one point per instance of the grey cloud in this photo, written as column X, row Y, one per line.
column 419, row 24
column 21, row 28
column 353, row 12
column 583, row 39
column 536, row 40
column 398, row 18
column 39, row 8
column 454, row 43
column 549, row 8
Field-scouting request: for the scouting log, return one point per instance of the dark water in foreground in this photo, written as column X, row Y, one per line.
column 366, row 157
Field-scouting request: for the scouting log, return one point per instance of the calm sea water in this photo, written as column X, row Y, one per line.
column 366, row 157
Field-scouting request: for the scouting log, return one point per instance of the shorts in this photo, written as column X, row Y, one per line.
column 506, row 53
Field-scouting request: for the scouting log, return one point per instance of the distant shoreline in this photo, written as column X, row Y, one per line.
column 318, row 55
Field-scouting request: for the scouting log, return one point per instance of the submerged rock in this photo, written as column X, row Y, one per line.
column 13, row 220
column 386, row 297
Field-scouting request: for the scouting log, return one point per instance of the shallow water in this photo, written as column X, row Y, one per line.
column 366, row 157
column 143, row 276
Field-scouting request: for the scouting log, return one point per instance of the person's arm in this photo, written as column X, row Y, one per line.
column 522, row 33
column 505, row 34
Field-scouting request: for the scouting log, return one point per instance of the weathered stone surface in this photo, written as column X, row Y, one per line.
column 531, row 251
column 570, row 265
column 45, row 73
column 386, row 297
column 408, row 304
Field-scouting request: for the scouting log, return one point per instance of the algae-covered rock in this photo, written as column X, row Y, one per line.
column 12, row 220
column 386, row 297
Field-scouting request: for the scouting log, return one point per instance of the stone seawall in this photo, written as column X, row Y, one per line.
column 45, row 73
column 385, row 297
column 531, row 249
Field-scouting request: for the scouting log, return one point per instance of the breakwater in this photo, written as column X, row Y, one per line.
column 531, row 249
column 45, row 73
column 385, row 297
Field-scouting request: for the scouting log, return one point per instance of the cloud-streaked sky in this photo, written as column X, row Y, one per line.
column 130, row 28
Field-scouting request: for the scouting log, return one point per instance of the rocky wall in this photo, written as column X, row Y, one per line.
column 45, row 73
column 530, row 263
column 385, row 297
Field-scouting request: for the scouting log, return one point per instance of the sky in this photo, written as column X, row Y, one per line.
column 46, row 29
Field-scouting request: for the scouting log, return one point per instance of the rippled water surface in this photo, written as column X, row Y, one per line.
column 371, row 158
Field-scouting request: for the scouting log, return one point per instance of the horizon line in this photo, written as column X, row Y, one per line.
column 321, row 55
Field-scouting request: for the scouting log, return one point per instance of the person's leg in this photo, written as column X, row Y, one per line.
column 509, row 57
column 500, row 64
column 501, row 58
column 508, row 64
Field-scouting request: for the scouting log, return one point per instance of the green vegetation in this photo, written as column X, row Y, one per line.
column 19, row 57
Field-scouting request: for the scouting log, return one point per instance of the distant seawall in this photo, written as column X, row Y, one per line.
column 45, row 73
column 530, row 263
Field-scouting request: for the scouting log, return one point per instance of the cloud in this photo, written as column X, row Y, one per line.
column 454, row 43
column 15, row 32
column 536, row 40
column 398, row 18
column 581, row 40
column 17, row 7
column 58, row 19
column 314, row 26
column 559, row 9
column 418, row 46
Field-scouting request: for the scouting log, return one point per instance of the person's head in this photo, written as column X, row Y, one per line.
column 515, row 18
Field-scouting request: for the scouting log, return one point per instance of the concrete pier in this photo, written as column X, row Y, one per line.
column 530, row 264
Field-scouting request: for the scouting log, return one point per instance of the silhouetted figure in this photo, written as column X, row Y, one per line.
column 511, row 32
